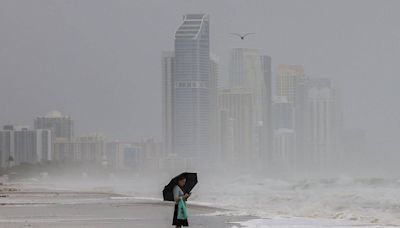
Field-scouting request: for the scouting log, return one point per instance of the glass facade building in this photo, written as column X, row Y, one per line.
column 191, row 88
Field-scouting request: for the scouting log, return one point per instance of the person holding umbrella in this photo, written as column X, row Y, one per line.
column 178, row 196
column 178, row 190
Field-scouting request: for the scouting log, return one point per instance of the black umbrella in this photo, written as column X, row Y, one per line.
column 191, row 181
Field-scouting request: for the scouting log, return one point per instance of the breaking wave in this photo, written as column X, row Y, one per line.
column 374, row 201
column 367, row 200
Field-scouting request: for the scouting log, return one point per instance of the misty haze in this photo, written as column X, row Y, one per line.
column 257, row 113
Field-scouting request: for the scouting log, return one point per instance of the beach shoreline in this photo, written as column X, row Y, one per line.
column 45, row 208
column 27, row 205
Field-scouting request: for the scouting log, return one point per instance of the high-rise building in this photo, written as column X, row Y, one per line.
column 167, row 69
column 191, row 88
column 322, row 124
column 226, row 136
column 115, row 155
column 266, row 63
column 124, row 155
column 151, row 157
column 285, row 154
column 61, row 126
column 250, row 71
column 65, row 150
column 301, row 118
column 7, row 153
column 167, row 64
column 246, row 72
column 288, row 76
column 214, row 139
column 91, row 148
column 20, row 144
column 132, row 157
column 317, row 122
column 283, row 113
column 237, row 126
column 292, row 84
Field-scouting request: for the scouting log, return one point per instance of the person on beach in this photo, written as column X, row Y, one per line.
column 178, row 195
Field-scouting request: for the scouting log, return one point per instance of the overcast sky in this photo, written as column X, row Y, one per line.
column 99, row 61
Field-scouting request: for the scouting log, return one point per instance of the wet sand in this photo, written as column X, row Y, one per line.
column 47, row 209
column 36, row 207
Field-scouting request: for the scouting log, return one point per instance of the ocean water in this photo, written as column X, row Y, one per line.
column 366, row 201
column 303, row 223
column 334, row 202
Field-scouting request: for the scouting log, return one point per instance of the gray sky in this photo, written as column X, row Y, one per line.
column 99, row 61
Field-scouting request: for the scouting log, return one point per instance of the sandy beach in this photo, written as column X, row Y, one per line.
column 36, row 204
column 41, row 208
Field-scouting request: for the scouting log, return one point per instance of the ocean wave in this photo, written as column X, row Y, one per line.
column 374, row 201
column 302, row 223
column 366, row 200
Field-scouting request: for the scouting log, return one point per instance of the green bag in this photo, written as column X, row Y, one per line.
column 182, row 211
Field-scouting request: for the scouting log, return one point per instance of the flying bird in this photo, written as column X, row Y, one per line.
column 242, row 36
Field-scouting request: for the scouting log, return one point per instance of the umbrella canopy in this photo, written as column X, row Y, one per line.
column 191, row 181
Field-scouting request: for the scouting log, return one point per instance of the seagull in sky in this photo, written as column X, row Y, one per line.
column 242, row 36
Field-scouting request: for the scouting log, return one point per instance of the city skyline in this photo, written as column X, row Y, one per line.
column 282, row 113
column 301, row 42
column 246, row 123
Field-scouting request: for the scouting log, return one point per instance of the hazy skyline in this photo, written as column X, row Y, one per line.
column 101, row 65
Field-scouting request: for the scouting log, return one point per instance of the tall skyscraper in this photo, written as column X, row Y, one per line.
column 167, row 69
column 266, row 63
column 322, row 125
column 20, row 144
column 317, row 122
column 191, row 88
column 213, row 94
column 283, row 113
column 167, row 66
column 291, row 85
column 237, row 126
column 288, row 77
column 301, row 118
column 246, row 72
column 285, row 155
column 250, row 71
column 61, row 126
